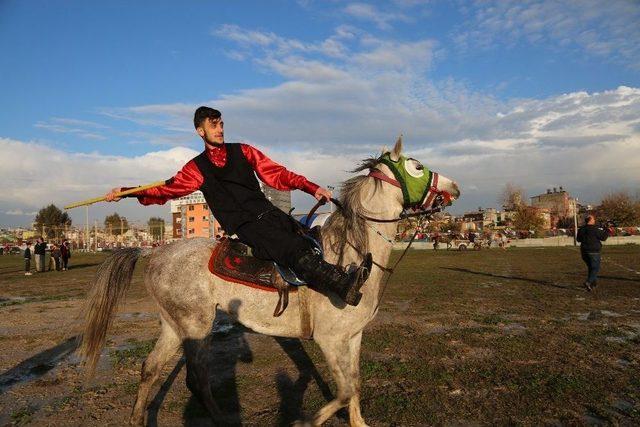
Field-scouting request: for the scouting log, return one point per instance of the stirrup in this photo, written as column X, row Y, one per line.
column 353, row 295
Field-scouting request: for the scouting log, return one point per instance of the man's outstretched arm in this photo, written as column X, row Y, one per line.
column 279, row 177
column 186, row 181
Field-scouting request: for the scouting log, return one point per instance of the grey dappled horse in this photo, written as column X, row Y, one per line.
column 188, row 295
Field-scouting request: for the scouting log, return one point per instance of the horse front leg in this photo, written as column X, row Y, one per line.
column 342, row 354
column 355, row 416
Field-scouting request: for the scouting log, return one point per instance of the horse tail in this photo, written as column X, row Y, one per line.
column 109, row 286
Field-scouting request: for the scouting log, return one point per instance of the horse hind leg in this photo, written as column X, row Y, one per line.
column 167, row 345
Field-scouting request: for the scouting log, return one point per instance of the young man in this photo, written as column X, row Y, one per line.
column 225, row 175
column 66, row 254
column 39, row 251
column 27, row 260
column 590, row 236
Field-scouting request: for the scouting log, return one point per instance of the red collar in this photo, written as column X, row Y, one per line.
column 217, row 155
column 216, row 148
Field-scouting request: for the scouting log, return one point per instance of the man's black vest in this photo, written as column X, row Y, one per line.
column 232, row 191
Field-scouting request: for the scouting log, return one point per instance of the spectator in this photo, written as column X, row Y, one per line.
column 590, row 236
column 39, row 251
column 65, row 252
column 27, row 260
column 55, row 255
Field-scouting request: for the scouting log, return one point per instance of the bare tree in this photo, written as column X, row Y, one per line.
column 512, row 197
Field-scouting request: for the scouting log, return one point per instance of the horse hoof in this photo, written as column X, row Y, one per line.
column 302, row 423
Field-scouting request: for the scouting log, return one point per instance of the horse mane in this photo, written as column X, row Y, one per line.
column 345, row 226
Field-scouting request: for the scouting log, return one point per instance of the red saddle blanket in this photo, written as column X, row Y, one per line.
column 230, row 260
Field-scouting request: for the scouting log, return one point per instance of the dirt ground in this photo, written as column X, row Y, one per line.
column 462, row 338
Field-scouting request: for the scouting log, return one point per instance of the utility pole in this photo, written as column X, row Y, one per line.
column 95, row 232
column 86, row 241
column 575, row 221
column 162, row 232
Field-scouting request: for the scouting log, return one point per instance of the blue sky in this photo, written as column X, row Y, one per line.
column 100, row 94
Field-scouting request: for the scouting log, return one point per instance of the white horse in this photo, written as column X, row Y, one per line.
column 188, row 295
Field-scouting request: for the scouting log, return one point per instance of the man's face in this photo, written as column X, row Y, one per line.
column 212, row 131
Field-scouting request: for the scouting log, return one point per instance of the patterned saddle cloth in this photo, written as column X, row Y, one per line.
column 232, row 261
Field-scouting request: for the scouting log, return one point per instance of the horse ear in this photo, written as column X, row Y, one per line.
column 385, row 150
column 397, row 149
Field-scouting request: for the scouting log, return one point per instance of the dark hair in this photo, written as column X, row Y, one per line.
column 203, row 113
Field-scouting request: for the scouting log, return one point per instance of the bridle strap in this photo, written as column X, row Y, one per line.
column 433, row 189
column 375, row 173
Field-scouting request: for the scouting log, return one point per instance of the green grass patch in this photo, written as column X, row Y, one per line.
column 23, row 415
column 135, row 351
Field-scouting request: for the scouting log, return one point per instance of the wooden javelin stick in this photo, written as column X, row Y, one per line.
column 120, row 194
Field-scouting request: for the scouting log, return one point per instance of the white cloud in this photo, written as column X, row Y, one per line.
column 20, row 212
column 332, row 110
column 36, row 175
column 587, row 142
column 608, row 30
column 81, row 128
column 367, row 12
column 380, row 89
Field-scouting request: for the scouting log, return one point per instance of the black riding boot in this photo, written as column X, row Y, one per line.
column 319, row 273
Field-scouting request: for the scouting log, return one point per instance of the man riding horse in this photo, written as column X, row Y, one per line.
column 225, row 173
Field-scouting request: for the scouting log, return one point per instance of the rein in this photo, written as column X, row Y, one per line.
column 434, row 195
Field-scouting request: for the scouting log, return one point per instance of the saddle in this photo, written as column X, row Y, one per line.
column 232, row 261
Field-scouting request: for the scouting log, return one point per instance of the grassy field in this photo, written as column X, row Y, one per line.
column 462, row 338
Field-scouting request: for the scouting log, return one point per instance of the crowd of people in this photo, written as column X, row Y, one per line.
column 58, row 260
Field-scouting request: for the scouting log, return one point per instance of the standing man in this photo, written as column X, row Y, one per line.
column 590, row 236
column 65, row 252
column 55, row 255
column 226, row 175
column 27, row 259
column 39, row 251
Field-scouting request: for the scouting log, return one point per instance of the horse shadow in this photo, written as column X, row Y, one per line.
column 292, row 392
column 81, row 266
column 38, row 365
column 502, row 276
column 227, row 346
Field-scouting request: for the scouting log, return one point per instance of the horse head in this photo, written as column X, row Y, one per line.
column 421, row 188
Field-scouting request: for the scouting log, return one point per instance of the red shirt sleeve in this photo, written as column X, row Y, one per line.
column 186, row 181
column 275, row 175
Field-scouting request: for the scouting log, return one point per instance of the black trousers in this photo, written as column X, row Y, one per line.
column 274, row 237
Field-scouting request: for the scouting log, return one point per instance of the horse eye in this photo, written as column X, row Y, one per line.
column 419, row 167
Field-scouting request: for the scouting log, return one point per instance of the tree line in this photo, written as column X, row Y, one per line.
column 54, row 221
column 618, row 208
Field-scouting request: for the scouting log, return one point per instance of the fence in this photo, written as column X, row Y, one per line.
column 530, row 243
